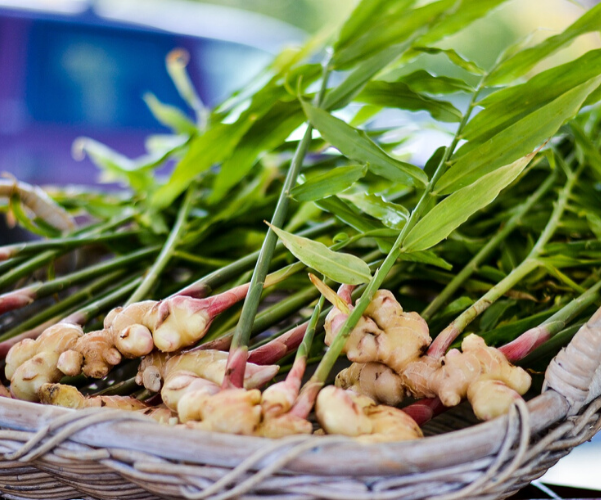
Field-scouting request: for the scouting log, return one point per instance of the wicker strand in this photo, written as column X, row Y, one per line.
column 518, row 416
column 72, row 422
column 306, row 444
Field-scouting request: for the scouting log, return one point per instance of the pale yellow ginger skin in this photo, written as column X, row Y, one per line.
column 176, row 324
column 33, row 363
column 388, row 336
column 276, row 402
column 384, row 334
column 69, row 397
column 181, row 382
column 354, row 415
column 233, row 411
column 280, row 426
column 374, row 380
column 208, row 364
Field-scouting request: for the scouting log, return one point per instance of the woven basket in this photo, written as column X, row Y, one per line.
column 56, row 453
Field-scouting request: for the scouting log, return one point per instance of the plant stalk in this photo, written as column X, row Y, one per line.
column 167, row 251
column 487, row 250
column 236, row 363
column 450, row 333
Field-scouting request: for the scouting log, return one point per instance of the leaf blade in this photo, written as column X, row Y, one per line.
column 355, row 144
column 328, row 184
column 338, row 266
column 454, row 210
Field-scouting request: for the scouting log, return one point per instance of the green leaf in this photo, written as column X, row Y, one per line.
column 115, row 166
column 514, row 141
column 393, row 30
column 329, row 183
column 592, row 155
column 454, row 210
column 464, row 14
column 340, row 267
column 265, row 135
column 365, row 14
column 355, row 144
column 452, row 55
column 494, row 314
column 205, row 151
column 341, row 95
column 525, row 60
column 426, row 257
column 351, row 216
column 170, row 116
column 422, row 81
column 390, row 214
column 594, row 222
column 399, row 95
column 505, row 106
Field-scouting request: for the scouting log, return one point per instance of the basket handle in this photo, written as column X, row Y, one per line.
column 575, row 372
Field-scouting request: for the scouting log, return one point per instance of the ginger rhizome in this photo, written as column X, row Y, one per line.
column 68, row 396
column 355, row 415
column 190, row 385
column 387, row 348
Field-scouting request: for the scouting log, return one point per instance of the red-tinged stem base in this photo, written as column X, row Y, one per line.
column 236, row 366
column 306, row 399
column 525, row 343
column 277, row 348
column 442, row 342
column 218, row 303
column 196, row 291
column 17, row 299
column 424, row 410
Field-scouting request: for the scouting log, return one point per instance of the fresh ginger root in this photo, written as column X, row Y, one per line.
column 354, row 415
column 374, row 380
column 384, row 334
column 276, row 404
column 68, row 396
column 208, row 364
column 233, row 411
column 462, row 375
column 33, row 363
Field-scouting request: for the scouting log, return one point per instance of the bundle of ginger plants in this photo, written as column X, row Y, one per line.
column 448, row 274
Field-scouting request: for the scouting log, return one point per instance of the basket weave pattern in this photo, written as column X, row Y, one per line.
column 56, row 453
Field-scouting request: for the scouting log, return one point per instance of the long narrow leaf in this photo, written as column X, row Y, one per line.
column 525, row 60
column 355, row 144
column 454, row 210
column 340, row 267
column 328, row 184
column 399, row 95
column 514, row 141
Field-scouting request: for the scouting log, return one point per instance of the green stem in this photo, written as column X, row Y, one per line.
column 67, row 243
column 167, row 251
column 451, row 332
column 37, row 291
column 325, row 366
column 487, row 249
column 30, row 265
column 206, row 284
column 59, row 309
column 234, row 375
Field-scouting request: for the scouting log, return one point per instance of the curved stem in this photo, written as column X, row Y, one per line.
column 450, row 333
column 166, row 253
column 324, row 368
column 236, row 364
column 487, row 249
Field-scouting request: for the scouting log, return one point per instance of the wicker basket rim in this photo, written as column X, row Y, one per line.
column 343, row 456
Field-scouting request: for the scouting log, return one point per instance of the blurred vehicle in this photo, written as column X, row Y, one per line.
column 75, row 68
